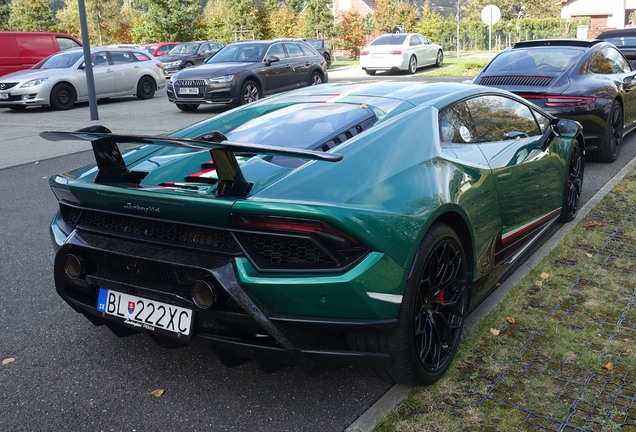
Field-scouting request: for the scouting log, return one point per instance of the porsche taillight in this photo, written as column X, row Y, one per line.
column 291, row 244
column 559, row 101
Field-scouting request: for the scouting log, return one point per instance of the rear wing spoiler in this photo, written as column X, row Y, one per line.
column 113, row 169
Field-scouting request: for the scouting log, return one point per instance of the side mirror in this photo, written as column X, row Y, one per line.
column 562, row 128
column 271, row 59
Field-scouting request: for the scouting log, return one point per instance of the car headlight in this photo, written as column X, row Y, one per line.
column 221, row 80
column 34, row 82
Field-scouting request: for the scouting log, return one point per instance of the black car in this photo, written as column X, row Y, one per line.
column 321, row 46
column 625, row 41
column 585, row 80
column 188, row 54
column 243, row 72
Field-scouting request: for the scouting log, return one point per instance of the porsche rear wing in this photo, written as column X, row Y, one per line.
column 112, row 167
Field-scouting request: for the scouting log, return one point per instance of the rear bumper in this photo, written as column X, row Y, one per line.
column 241, row 328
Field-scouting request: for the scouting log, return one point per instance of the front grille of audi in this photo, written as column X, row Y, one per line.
column 200, row 84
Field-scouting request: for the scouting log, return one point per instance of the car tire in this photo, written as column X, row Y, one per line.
column 573, row 183
column 146, row 88
column 412, row 65
column 188, row 64
column 17, row 107
column 187, row 107
column 440, row 59
column 431, row 315
column 328, row 60
column 612, row 136
column 62, row 97
column 315, row 79
column 250, row 92
column 370, row 72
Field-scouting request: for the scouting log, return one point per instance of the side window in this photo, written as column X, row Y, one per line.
column 456, row 125
column 100, row 59
column 307, row 51
column 276, row 50
column 138, row 56
column 498, row 118
column 609, row 61
column 66, row 43
column 293, row 50
column 204, row 48
column 122, row 57
column 414, row 40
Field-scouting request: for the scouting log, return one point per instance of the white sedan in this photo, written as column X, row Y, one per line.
column 400, row 52
column 60, row 80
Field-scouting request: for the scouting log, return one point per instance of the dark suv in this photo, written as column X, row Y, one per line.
column 188, row 54
column 243, row 72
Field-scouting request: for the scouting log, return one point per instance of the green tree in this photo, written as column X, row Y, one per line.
column 431, row 23
column 351, row 33
column 385, row 16
column 317, row 19
column 406, row 16
column 514, row 9
column 4, row 15
column 282, row 22
column 31, row 15
column 104, row 19
column 166, row 20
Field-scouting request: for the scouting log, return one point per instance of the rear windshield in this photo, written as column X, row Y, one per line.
column 536, row 60
column 391, row 39
column 305, row 126
column 622, row 41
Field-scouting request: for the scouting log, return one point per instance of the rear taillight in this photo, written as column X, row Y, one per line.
column 395, row 52
column 290, row 244
column 364, row 53
column 558, row 101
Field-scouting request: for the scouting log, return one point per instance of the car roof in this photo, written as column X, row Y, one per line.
column 619, row 32
column 583, row 43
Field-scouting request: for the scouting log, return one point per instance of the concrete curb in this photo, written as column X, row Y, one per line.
column 398, row 392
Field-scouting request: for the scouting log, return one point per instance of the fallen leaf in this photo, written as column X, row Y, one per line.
column 589, row 255
column 157, row 393
column 8, row 360
column 592, row 224
column 544, row 275
column 495, row 332
column 510, row 320
column 609, row 366
column 619, row 189
column 538, row 283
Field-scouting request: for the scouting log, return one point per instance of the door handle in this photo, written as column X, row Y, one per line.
column 504, row 175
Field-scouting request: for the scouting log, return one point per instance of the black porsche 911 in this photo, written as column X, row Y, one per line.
column 585, row 80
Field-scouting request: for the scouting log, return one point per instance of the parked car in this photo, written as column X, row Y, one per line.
column 60, row 80
column 335, row 225
column 321, row 46
column 625, row 41
column 243, row 72
column 187, row 55
column 585, row 80
column 400, row 52
column 21, row 50
column 160, row 49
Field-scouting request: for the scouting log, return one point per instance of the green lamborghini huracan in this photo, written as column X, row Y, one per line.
column 335, row 225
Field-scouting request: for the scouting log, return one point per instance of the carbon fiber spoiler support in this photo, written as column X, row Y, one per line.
column 112, row 167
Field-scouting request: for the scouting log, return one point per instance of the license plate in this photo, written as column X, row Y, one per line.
column 144, row 313
column 4, row 95
column 189, row 90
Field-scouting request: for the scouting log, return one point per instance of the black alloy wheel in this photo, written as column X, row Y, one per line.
column 145, row 88
column 315, row 79
column 612, row 137
column 62, row 97
column 573, row 183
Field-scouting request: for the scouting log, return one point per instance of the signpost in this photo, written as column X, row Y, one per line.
column 490, row 15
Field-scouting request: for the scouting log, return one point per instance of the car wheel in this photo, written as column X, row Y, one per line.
column 612, row 137
column 412, row 65
column 370, row 72
column 573, row 183
column 62, row 97
column 187, row 107
column 431, row 316
column 440, row 58
column 249, row 93
column 145, row 88
column 188, row 64
column 315, row 79
column 327, row 59
column 17, row 107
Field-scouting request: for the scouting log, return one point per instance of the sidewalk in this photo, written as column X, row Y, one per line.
column 558, row 354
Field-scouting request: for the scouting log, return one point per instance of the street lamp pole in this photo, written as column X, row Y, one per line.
column 457, row 24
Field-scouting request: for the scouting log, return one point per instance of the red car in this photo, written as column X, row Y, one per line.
column 159, row 49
